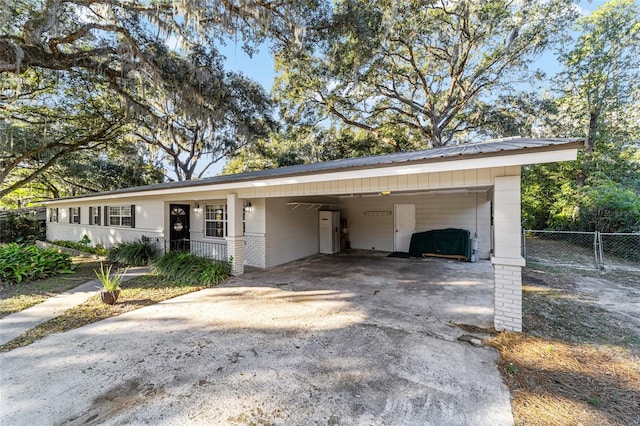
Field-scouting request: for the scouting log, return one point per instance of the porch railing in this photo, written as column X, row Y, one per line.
column 213, row 250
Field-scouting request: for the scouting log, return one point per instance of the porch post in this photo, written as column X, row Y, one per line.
column 235, row 236
column 507, row 259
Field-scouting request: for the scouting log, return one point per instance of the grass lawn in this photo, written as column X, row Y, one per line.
column 136, row 293
column 17, row 297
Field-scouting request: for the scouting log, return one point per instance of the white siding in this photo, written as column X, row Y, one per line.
column 291, row 233
column 149, row 223
column 283, row 233
column 370, row 219
column 104, row 235
column 369, row 222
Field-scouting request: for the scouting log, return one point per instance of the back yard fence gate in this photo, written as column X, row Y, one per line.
column 582, row 249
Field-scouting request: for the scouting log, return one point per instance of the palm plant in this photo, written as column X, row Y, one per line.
column 110, row 283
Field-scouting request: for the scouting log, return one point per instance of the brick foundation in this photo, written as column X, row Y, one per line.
column 508, row 297
column 255, row 250
column 235, row 249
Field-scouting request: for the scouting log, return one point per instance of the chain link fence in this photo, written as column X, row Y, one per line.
column 620, row 247
column 582, row 249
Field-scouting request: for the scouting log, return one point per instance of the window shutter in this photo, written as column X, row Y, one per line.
column 70, row 217
column 133, row 215
column 79, row 215
column 106, row 216
column 57, row 212
column 90, row 215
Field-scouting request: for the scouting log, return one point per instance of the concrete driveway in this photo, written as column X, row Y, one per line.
column 331, row 340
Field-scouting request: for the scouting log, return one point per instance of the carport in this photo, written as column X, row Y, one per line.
column 409, row 290
column 474, row 187
column 270, row 217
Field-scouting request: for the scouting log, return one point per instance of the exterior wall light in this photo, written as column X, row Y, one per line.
column 248, row 208
column 197, row 209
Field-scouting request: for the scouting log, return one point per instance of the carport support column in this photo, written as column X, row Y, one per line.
column 235, row 235
column 507, row 260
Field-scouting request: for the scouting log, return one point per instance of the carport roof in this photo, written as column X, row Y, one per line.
column 494, row 147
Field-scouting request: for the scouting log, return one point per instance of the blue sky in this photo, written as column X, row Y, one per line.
column 260, row 67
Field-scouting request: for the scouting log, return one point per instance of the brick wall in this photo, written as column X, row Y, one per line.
column 508, row 297
column 255, row 250
column 235, row 251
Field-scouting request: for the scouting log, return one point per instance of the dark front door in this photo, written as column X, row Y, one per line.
column 179, row 227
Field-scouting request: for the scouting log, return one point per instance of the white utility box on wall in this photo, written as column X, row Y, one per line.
column 329, row 232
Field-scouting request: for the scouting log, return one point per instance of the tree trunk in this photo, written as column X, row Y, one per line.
column 588, row 145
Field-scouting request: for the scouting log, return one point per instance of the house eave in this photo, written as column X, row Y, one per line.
column 500, row 158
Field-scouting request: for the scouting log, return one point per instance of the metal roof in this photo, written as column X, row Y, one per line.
column 507, row 146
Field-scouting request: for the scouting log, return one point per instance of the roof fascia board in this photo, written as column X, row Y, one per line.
column 502, row 159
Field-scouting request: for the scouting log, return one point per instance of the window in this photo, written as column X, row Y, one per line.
column 74, row 214
column 215, row 220
column 120, row 216
column 53, row 215
column 94, row 215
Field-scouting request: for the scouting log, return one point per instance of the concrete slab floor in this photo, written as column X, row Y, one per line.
column 338, row 340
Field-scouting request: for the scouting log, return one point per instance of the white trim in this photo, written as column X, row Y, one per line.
column 400, row 170
column 121, row 216
column 224, row 220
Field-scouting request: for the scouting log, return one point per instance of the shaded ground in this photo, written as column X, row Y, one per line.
column 17, row 297
column 327, row 340
column 578, row 361
column 136, row 293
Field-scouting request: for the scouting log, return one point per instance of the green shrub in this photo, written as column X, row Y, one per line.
column 607, row 207
column 109, row 282
column 136, row 253
column 190, row 269
column 81, row 246
column 21, row 262
column 19, row 228
column 85, row 241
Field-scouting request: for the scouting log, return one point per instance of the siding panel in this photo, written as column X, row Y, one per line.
column 291, row 234
column 433, row 211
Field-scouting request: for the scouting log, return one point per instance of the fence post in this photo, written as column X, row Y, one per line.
column 600, row 250
column 595, row 250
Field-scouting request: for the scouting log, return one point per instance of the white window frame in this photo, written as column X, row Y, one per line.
column 223, row 220
column 116, row 216
column 74, row 212
column 96, row 215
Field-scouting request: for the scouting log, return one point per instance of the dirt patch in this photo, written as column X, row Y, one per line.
column 578, row 360
column 575, row 308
